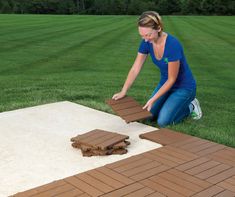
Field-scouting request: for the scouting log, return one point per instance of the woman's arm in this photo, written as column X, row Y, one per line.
column 133, row 73
column 173, row 70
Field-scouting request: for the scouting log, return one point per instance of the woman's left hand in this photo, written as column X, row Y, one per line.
column 149, row 105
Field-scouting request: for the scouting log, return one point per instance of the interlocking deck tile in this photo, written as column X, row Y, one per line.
column 190, row 167
column 222, row 176
column 160, row 188
column 100, row 142
column 83, row 186
column 225, row 193
column 226, row 156
column 164, row 136
column 106, row 179
column 209, row 192
column 44, row 188
column 99, row 139
column 125, row 190
column 192, row 145
column 228, row 184
column 128, row 109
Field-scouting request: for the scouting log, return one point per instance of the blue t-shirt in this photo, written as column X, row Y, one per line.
column 173, row 52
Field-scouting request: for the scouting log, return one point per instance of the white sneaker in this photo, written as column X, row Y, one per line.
column 197, row 112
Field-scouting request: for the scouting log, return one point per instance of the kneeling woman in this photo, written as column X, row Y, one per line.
column 174, row 97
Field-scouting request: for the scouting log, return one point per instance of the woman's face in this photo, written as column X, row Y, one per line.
column 148, row 34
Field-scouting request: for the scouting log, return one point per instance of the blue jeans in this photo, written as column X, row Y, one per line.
column 173, row 106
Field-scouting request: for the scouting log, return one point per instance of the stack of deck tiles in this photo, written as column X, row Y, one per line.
column 128, row 109
column 100, row 142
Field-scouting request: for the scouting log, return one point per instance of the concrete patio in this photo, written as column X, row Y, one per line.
column 36, row 149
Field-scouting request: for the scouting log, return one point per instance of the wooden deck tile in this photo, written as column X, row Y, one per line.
column 42, row 188
column 225, row 193
column 228, row 184
column 141, row 192
column 222, row 176
column 209, row 192
column 124, row 161
column 106, row 179
column 164, row 136
column 125, row 190
column 226, row 156
column 117, row 176
column 83, row 186
column 94, row 182
column 192, row 164
column 128, row 109
column 160, row 188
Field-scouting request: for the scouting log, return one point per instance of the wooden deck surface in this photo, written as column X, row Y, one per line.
column 184, row 166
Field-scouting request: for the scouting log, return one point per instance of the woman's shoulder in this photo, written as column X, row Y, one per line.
column 172, row 38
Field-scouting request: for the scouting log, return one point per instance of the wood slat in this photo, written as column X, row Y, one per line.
column 129, row 109
column 160, row 188
column 94, row 182
column 106, row 179
column 222, row 176
column 83, row 186
column 111, row 173
column 123, row 100
column 202, row 167
column 125, row 190
column 209, row 192
column 164, row 136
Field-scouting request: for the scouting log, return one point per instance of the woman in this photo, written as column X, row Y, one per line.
column 174, row 97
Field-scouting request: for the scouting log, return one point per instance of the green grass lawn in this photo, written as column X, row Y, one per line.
column 85, row 59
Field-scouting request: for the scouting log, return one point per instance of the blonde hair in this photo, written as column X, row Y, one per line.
column 151, row 19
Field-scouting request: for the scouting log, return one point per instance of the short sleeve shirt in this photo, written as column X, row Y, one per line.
column 173, row 51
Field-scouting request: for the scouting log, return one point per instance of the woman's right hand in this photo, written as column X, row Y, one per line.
column 119, row 95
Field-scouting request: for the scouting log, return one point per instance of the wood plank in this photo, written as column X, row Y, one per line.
column 94, row 182
column 71, row 193
column 177, row 153
column 190, row 178
column 123, row 100
column 149, row 173
column 164, row 136
column 202, row 167
column 153, row 156
column 213, row 171
column 55, row 191
column 124, row 161
column 105, row 179
column 193, row 163
column 180, row 181
column 132, row 165
column 141, row 169
column 125, row 105
column 129, row 111
column 209, row 192
column 171, row 185
column 125, row 190
column 156, row 194
column 222, row 176
column 111, row 173
column 160, row 188
column 228, row 184
column 42, row 188
column 141, row 192
column 83, row 186
column 225, row 193
column 211, row 150
column 137, row 116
